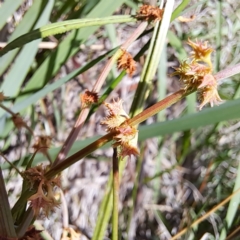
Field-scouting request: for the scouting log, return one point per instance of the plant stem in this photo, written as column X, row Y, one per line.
column 96, row 88
column 228, row 72
column 115, row 187
column 162, row 104
column 79, row 155
column 7, row 109
column 166, row 102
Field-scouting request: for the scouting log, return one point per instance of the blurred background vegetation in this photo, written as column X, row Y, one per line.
column 189, row 160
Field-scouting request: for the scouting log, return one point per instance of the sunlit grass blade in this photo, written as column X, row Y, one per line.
column 19, row 106
column 68, row 47
column 7, row 9
column 153, row 57
column 225, row 112
column 7, row 230
column 62, row 27
column 179, row 9
column 16, row 75
column 25, row 25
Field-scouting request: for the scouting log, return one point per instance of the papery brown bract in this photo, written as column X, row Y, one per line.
column 150, row 13
column 44, row 197
column 201, row 51
column 198, row 76
column 42, row 143
column 126, row 62
column 125, row 136
column 18, row 121
column 88, row 98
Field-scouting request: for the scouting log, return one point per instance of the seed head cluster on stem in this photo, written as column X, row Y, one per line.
column 127, row 63
column 196, row 73
column 44, row 197
column 125, row 137
column 150, row 13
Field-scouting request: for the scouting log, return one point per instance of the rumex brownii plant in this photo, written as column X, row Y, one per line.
column 39, row 182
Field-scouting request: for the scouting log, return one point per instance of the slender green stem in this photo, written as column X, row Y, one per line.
column 115, row 187
column 135, row 189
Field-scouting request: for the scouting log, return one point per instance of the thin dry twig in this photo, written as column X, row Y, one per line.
column 199, row 220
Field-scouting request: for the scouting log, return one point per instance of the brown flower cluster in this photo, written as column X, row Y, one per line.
column 18, row 121
column 88, row 98
column 150, row 13
column 42, row 143
column 126, row 62
column 44, row 197
column 196, row 73
column 125, row 136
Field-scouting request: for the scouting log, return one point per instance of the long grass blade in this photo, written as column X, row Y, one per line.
column 15, row 77
column 62, row 27
column 7, row 9
column 6, row 221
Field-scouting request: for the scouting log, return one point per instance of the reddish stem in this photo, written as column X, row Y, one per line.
column 96, row 88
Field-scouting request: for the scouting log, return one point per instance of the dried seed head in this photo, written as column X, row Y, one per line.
column 208, row 93
column 125, row 136
column 34, row 175
column 196, row 76
column 150, row 13
column 44, row 197
column 116, row 115
column 191, row 74
column 201, row 52
column 88, row 98
column 42, row 144
column 126, row 62
column 126, row 139
column 18, row 121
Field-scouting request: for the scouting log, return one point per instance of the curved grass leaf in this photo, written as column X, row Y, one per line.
column 53, row 86
column 7, row 9
column 26, row 25
column 68, row 47
column 7, row 230
column 16, row 75
column 62, row 27
column 24, row 103
column 179, row 9
column 225, row 112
